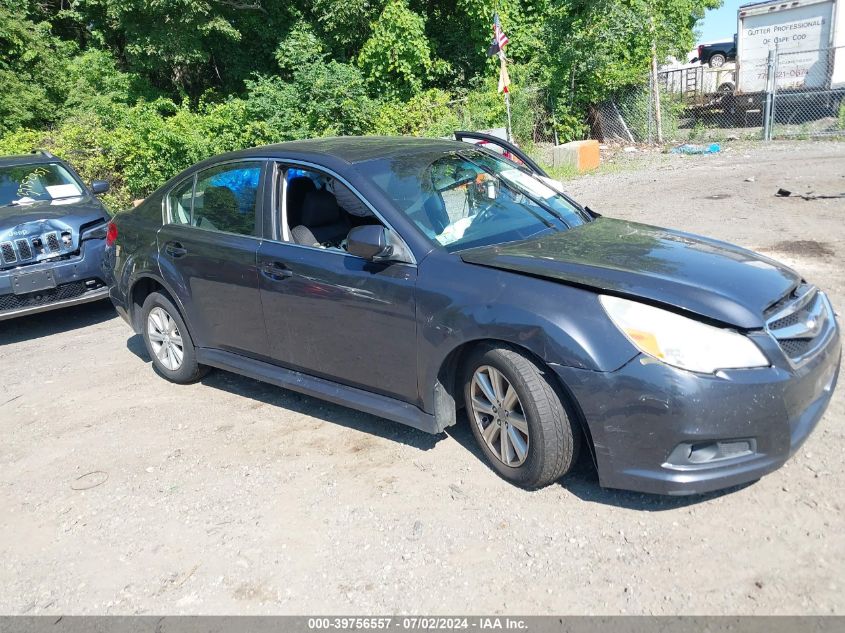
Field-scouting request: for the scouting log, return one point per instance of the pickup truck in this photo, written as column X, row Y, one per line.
column 716, row 55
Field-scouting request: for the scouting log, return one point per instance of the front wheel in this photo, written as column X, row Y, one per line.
column 518, row 417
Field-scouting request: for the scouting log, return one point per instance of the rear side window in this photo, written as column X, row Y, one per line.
column 225, row 197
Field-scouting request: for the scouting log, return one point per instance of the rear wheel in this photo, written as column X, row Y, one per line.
column 518, row 417
column 717, row 60
column 168, row 341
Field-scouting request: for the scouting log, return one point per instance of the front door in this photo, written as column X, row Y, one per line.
column 208, row 250
column 329, row 313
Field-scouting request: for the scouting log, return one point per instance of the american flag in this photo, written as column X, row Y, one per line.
column 500, row 40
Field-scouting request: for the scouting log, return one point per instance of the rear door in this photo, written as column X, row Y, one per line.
column 208, row 250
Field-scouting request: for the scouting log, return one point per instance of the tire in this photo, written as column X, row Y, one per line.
column 165, row 335
column 551, row 445
column 717, row 60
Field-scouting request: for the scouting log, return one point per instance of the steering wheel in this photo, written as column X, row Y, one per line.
column 485, row 212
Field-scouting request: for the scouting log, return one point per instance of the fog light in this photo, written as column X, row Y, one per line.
column 701, row 453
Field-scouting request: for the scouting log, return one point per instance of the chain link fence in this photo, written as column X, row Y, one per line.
column 795, row 94
column 808, row 99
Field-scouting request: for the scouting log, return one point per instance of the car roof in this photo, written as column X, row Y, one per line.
column 349, row 149
column 34, row 158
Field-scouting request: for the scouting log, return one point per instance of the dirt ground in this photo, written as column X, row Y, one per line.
column 122, row 493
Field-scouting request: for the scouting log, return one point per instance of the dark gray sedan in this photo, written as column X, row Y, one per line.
column 412, row 278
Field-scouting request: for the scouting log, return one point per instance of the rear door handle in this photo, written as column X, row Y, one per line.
column 175, row 250
column 276, row 271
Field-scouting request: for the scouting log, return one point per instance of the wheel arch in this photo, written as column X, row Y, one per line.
column 448, row 389
column 142, row 287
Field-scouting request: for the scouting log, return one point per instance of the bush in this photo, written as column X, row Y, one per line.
column 430, row 113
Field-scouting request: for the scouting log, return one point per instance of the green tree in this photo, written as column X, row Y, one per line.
column 600, row 46
column 32, row 70
column 345, row 26
column 189, row 46
column 397, row 57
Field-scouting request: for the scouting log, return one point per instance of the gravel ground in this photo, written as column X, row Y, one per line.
column 122, row 493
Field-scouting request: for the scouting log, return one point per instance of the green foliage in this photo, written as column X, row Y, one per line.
column 841, row 119
column 134, row 91
column 346, row 25
column 570, row 126
column 32, row 71
column 430, row 113
column 299, row 49
column 602, row 46
column 397, row 57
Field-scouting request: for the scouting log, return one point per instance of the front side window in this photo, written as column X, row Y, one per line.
column 320, row 210
column 30, row 184
column 224, row 198
column 471, row 198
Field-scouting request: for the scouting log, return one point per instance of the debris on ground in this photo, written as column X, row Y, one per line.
column 784, row 193
column 690, row 149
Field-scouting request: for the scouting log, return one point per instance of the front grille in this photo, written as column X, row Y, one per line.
column 786, row 321
column 796, row 347
column 8, row 253
column 801, row 323
column 36, row 247
column 52, row 242
column 44, row 297
column 24, row 249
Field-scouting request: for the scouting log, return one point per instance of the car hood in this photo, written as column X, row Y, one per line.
column 72, row 211
column 43, row 230
column 710, row 278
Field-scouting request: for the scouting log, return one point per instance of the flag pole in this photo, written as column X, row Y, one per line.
column 503, row 60
column 508, row 107
column 500, row 40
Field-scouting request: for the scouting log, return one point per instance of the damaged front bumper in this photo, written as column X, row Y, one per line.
column 663, row 430
column 70, row 281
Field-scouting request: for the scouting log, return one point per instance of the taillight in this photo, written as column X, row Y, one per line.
column 111, row 233
column 700, row 51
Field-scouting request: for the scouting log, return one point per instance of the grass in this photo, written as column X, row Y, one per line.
column 568, row 172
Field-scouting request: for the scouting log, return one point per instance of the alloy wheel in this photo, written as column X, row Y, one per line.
column 499, row 415
column 165, row 338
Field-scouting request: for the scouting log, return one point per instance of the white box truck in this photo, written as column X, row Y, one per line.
column 804, row 34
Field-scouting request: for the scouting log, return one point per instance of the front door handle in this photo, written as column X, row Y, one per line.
column 276, row 271
column 175, row 250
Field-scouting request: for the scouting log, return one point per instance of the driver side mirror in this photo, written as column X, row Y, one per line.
column 369, row 242
column 99, row 187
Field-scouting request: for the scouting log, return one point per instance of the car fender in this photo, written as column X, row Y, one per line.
column 459, row 303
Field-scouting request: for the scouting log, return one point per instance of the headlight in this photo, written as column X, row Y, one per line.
column 94, row 233
column 680, row 341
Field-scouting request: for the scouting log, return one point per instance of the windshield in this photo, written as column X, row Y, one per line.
column 470, row 198
column 26, row 184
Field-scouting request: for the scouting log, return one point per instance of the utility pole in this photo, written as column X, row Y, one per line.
column 655, row 87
